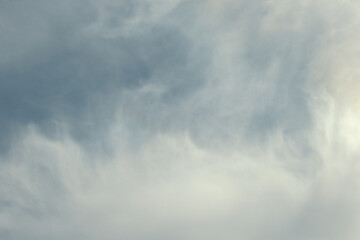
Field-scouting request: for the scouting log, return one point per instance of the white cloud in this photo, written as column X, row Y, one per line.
column 252, row 133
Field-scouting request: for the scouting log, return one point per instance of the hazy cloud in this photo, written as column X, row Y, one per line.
column 179, row 120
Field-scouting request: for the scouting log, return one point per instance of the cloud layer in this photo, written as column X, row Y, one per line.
column 154, row 119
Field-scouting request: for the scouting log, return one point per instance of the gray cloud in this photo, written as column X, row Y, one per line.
column 77, row 72
column 178, row 120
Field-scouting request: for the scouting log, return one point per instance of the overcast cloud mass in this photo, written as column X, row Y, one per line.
column 179, row 119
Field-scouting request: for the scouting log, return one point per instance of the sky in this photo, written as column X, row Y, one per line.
column 179, row 119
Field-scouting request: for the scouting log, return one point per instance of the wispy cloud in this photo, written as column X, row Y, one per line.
column 179, row 120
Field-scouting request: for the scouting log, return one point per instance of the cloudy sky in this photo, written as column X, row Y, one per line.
column 179, row 119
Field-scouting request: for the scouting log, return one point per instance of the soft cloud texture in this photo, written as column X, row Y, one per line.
column 179, row 120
